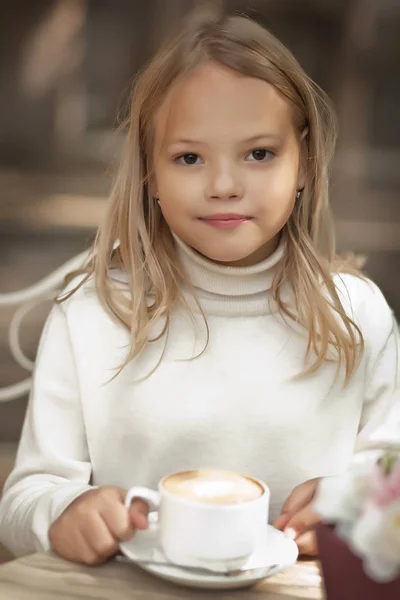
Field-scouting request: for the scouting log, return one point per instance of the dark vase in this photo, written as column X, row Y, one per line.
column 343, row 572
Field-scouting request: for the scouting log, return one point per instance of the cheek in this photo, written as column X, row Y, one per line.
column 278, row 208
column 176, row 187
column 177, row 198
column 276, row 188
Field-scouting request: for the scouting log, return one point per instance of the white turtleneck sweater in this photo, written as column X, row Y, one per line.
column 235, row 406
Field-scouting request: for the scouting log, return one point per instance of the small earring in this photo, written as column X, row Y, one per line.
column 298, row 194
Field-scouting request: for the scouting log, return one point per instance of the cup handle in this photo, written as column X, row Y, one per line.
column 150, row 496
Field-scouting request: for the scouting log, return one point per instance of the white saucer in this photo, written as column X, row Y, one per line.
column 275, row 548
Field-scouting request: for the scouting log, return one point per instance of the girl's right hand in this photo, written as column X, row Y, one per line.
column 91, row 527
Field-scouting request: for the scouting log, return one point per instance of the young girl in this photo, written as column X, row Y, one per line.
column 213, row 325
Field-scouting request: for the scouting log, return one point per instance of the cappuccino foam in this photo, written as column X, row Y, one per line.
column 211, row 486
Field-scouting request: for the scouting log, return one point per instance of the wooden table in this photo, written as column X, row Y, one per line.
column 48, row 577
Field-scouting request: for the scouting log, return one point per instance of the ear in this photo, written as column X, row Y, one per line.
column 302, row 175
column 152, row 187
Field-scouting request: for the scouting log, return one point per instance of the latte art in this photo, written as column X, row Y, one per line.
column 212, row 486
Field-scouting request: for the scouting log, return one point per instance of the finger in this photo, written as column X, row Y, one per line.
column 118, row 521
column 98, row 536
column 307, row 543
column 73, row 547
column 300, row 497
column 282, row 521
column 304, row 519
column 84, row 552
column 138, row 513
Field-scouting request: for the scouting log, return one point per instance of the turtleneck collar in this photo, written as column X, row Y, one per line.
column 230, row 290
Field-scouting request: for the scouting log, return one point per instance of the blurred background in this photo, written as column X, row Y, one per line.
column 66, row 71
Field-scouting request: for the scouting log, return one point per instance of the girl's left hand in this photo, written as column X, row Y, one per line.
column 298, row 518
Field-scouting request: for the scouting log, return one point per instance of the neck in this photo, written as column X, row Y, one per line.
column 230, row 289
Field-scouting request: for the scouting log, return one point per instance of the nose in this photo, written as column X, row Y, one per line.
column 225, row 184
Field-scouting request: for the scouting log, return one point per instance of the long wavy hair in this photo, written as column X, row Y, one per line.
column 134, row 237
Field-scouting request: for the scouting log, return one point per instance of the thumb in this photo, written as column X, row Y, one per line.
column 281, row 521
column 138, row 513
column 138, row 510
column 303, row 520
column 300, row 497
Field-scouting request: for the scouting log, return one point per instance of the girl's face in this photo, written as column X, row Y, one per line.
column 227, row 164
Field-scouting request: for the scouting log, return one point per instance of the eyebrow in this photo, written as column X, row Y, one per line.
column 264, row 136
column 260, row 136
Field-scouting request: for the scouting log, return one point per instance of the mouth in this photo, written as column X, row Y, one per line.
column 226, row 220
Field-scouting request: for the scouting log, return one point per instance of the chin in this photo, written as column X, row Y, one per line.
column 227, row 256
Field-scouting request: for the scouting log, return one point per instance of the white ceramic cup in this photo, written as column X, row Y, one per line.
column 219, row 536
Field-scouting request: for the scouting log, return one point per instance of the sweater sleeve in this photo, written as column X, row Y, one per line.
column 380, row 419
column 52, row 466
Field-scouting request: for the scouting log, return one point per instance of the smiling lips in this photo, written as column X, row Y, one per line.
column 226, row 221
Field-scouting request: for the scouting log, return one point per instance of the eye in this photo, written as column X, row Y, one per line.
column 260, row 155
column 188, row 159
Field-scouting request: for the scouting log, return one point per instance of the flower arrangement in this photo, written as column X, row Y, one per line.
column 362, row 507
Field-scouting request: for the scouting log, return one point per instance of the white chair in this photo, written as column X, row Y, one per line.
column 24, row 301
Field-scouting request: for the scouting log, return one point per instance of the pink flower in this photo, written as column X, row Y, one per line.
column 364, row 505
column 385, row 488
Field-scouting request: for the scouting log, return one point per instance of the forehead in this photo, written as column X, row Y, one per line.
column 216, row 101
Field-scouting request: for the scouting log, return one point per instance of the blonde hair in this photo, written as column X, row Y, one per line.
column 146, row 251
